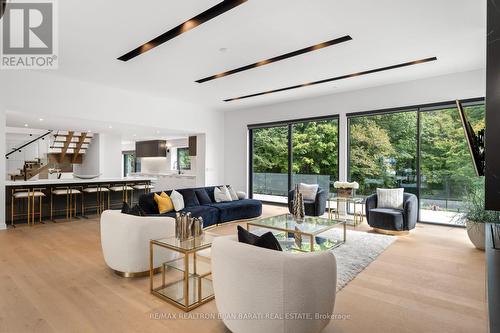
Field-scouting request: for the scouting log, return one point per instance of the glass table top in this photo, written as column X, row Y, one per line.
column 311, row 225
column 193, row 244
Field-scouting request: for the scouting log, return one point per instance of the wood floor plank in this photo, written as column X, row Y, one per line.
column 53, row 279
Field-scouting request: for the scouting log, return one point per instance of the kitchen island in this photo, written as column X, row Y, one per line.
column 94, row 195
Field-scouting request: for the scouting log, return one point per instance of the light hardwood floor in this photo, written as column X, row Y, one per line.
column 53, row 279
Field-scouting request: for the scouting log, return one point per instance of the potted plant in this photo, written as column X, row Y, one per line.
column 475, row 216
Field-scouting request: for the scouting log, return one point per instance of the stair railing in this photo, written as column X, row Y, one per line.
column 27, row 144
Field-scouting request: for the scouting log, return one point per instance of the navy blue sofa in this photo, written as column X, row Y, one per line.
column 205, row 206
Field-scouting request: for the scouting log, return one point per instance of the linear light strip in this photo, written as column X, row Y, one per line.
column 371, row 71
column 278, row 58
column 207, row 15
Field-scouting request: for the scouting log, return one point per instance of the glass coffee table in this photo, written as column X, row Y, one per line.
column 185, row 283
column 302, row 235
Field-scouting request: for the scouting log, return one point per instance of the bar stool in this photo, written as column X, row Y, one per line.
column 146, row 187
column 29, row 195
column 124, row 188
column 99, row 190
column 71, row 197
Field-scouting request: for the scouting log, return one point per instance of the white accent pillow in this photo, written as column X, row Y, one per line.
column 308, row 191
column 241, row 195
column 390, row 198
column 232, row 193
column 177, row 200
column 221, row 194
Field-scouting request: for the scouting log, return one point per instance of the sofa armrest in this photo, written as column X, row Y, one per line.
column 410, row 207
column 370, row 203
column 320, row 202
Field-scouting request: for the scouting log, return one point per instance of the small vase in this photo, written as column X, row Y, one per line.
column 476, row 233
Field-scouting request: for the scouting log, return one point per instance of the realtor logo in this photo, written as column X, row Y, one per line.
column 29, row 35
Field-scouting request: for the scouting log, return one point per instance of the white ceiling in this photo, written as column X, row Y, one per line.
column 36, row 124
column 92, row 34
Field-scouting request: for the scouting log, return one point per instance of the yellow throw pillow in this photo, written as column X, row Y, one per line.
column 164, row 203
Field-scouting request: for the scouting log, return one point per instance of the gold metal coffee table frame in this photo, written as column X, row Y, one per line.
column 193, row 276
column 323, row 224
column 358, row 215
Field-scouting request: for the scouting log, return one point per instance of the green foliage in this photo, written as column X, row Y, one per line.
column 474, row 206
column 315, row 149
column 383, row 151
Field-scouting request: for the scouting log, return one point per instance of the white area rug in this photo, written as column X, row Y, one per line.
column 360, row 249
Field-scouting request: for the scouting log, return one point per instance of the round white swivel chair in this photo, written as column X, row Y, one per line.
column 250, row 280
column 125, row 241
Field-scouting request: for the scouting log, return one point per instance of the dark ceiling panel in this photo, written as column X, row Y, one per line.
column 278, row 58
column 371, row 71
column 207, row 15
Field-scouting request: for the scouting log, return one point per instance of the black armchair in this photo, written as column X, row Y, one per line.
column 390, row 220
column 315, row 207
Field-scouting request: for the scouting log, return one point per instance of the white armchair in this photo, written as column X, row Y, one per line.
column 125, row 241
column 250, row 280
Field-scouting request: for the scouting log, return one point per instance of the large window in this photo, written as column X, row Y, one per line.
column 183, row 159
column 290, row 153
column 383, row 151
column 422, row 150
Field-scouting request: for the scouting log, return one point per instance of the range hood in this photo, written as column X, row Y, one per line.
column 152, row 148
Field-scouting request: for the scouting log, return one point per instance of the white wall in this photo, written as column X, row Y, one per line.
column 90, row 161
column 56, row 96
column 110, row 155
column 438, row 89
column 104, row 157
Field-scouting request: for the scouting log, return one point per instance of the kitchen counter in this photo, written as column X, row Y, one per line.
column 82, row 202
column 62, row 181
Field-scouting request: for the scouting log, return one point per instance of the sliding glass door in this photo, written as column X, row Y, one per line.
column 315, row 153
column 423, row 151
column 291, row 153
column 446, row 169
column 383, row 151
column 270, row 163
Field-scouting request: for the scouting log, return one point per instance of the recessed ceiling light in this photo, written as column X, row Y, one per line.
column 110, row 127
column 25, row 125
column 41, row 119
column 135, row 134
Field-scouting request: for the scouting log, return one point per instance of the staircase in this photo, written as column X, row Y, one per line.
column 68, row 147
column 31, row 169
column 65, row 149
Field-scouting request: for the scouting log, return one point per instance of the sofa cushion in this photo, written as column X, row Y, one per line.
column 222, row 194
column 266, row 241
column 148, row 204
column 387, row 218
column 177, row 200
column 203, row 196
column 232, row 193
column 308, row 191
column 390, row 198
column 164, row 202
column 190, row 198
column 136, row 210
column 238, row 210
column 209, row 215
